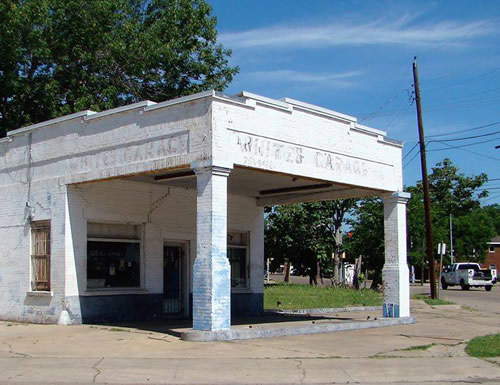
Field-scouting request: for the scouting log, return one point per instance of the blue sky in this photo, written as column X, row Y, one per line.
column 355, row 57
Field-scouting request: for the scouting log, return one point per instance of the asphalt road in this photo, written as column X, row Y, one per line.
column 476, row 298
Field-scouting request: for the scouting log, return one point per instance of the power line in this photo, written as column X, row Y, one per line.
column 490, row 198
column 461, row 37
column 466, row 130
column 472, row 152
column 386, row 103
column 466, row 137
column 409, row 152
column 413, row 157
column 465, row 80
column 463, row 145
column 462, row 68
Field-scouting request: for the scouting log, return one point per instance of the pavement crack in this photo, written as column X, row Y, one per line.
column 11, row 350
column 279, row 348
column 159, row 339
column 299, row 366
column 97, row 370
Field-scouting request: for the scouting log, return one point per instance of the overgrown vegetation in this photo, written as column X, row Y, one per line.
column 484, row 346
column 429, row 301
column 294, row 296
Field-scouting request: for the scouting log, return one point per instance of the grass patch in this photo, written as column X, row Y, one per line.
column 429, row 301
column 295, row 296
column 118, row 330
column 485, row 346
column 418, row 347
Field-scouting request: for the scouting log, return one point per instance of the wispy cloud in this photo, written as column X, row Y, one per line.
column 401, row 31
column 343, row 79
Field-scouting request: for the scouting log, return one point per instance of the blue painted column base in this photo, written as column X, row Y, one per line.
column 391, row 310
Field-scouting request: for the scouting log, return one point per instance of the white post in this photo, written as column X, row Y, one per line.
column 395, row 272
column 211, row 270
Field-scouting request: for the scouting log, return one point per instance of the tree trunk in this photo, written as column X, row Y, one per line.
column 319, row 276
column 336, row 256
column 287, row 272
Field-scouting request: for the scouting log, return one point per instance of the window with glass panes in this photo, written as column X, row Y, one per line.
column 237, row 253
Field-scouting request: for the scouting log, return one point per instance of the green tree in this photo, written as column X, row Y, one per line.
column 451, row 193
column 454, row 193
column 59, row 57
column 471, row 234
column 493, row 212
column 367, row 228
column 304, row 234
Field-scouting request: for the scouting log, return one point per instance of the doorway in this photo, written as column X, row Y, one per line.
column 173, row 283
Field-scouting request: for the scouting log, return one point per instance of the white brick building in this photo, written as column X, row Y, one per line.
column 157, row 209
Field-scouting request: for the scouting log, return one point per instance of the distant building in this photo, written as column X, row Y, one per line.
column 493, row 253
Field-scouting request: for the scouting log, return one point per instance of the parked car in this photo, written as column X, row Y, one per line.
column 467, row 274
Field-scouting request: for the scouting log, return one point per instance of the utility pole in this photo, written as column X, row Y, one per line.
column 425, row 183
column 451, row 239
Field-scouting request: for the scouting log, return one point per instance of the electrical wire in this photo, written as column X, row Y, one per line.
column 466, row 130
column 461, row 37
column 472, row 152
column 386, row 103
column 413, row 157
column 463, row 145
column 409, row 152
column 466, row 137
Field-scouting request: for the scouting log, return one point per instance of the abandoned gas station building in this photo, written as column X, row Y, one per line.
column 157, row 209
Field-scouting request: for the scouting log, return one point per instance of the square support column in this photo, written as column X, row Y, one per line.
column 395, row 273
column 211, row 270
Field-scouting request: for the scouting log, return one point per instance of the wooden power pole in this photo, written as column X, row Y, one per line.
column 425, row 183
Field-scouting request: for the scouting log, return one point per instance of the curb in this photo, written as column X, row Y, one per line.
column 324, row 310
column 244, row 334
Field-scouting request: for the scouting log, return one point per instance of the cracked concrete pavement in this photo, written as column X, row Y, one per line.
column 429, row 352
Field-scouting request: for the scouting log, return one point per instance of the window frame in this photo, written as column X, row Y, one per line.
column 492, row 248
column 115, row 288
column 246, row 287
column 35, row 226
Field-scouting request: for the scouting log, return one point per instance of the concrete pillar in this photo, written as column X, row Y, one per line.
column 395, row 273
column 211, row 270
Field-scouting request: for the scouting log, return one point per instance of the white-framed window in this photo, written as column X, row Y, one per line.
column 238, row 255
column 113, row 256
column 492, row 248
column 40, row 256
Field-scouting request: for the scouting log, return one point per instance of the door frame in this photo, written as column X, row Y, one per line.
column 185, row 273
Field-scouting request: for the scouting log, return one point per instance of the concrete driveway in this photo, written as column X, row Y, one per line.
column 49, row 354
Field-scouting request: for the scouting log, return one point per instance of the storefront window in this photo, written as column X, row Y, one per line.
column 113, row 264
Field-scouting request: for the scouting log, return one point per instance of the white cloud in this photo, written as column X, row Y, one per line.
column 343, row 79
column 401, row 31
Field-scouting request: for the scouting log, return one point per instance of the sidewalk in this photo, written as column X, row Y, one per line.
column 48, row 354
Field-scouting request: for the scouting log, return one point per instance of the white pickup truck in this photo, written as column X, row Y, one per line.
column 468, row 274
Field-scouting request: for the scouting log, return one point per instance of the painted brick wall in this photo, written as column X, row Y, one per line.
column 46, row 202
column 166, row 213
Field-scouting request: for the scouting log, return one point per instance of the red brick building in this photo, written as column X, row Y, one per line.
column 493, row 253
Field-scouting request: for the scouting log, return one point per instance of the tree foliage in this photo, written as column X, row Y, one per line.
column 451, row 192
column 304, row 234
column 367, row 228
column 59, row 57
